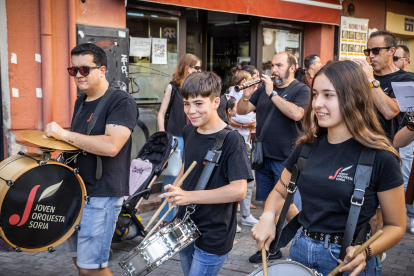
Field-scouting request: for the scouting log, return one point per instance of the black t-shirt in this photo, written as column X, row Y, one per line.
column 282, row 132
column 120, row 109
column 391, row 126
column 216, row 222
column 326, row 184
column 177, row 120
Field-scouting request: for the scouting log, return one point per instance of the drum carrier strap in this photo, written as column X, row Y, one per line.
column 92, row 122
column 211, row 159
column 361, row 180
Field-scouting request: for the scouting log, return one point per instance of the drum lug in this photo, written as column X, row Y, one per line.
column 17, row 249
column 42, row 163
column 77, row 227
column 50, row 249
column 76, row 170
column 9, row 183
column 87, row 198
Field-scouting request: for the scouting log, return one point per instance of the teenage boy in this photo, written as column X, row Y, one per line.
column 216, row 210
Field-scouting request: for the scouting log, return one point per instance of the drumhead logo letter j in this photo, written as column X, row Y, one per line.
column 14, row 219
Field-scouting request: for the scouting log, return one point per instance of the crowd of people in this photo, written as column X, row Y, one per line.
column 339, row 117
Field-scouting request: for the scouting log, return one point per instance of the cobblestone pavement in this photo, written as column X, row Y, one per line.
column 399, row 262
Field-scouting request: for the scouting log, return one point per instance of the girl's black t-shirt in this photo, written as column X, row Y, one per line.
column 216, row 222
column 177, row 120
column 326, row 184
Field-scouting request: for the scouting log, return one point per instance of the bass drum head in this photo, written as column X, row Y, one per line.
column 284, row 268
column 41, row 207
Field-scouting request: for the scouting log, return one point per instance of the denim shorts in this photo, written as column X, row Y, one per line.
column 267, row 177
column 92, row 243
column 323, row 256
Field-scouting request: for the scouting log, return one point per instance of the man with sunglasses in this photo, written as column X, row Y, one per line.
column 402, row 57
column 380, row 73
column 109, row 145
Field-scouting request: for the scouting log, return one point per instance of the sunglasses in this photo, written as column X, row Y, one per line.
column 84, row 70
column 313, row 60
column 375, row 51
column 397, row 58
column 196, row 67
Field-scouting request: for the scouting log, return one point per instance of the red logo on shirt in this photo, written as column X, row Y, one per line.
column 340, row 174
column 90, row 118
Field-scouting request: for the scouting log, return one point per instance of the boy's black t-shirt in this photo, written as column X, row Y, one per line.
column 120, row 109
column 282, row 132
column 326, row 184
column 392, row 126
column 216, row 222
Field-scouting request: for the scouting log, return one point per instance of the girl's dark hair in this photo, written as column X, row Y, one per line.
column 239, row 74
column 226, row 102
column 356, row 106
column 181, row 72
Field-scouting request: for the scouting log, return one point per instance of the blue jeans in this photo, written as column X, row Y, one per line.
column 406, row 155
column 267, row 177
column 168, row 179
column 92, row 243
column 196, row 262
column 323, row 256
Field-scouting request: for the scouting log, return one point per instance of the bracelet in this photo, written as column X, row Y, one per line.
column 245, row 100
column 368, row 253
column 284, row 185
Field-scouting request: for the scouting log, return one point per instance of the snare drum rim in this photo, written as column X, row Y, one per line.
column 280, row 262
column 20, row 172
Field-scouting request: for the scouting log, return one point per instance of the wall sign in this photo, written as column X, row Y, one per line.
column 353, row 38
column 409, row 23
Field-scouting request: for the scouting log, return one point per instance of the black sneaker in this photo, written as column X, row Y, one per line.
column 257, row 258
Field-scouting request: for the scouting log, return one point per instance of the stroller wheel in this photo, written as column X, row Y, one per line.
column 111, row 253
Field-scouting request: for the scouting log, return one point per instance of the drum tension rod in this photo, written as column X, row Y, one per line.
column 17, row 249
column 50, row 249
column 8, row 182
column 40, row 162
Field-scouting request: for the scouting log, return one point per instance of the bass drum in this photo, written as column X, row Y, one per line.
column 286, row 268
column 41, row 202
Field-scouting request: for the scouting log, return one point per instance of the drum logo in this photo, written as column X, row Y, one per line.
column 39, row 220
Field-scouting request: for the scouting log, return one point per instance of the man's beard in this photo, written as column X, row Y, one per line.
column 279, row 81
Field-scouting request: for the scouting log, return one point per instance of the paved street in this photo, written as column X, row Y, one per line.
column 399, row 262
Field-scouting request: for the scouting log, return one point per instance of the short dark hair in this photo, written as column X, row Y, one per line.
column 309, row 60
column 389, row 38
column 206, row 84
column 405, row 49
column 99, row 55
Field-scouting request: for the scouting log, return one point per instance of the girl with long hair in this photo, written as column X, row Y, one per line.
column 339, row 121
column 171, row 116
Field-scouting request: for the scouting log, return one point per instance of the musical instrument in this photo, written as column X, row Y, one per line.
column 247, row 84
column 286, row 268
column 38, row 139
column 41, row 202
column 160, row 247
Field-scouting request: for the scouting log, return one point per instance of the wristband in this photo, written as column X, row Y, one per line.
column 245, row 100
column 368, row 253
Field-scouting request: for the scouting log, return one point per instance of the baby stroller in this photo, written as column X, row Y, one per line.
column 151, row 161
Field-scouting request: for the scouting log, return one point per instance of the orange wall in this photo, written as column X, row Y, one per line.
column 319, row 40
column 105, row 13
column 23, row 39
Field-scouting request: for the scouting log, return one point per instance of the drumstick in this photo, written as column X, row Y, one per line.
column 166, row 200
column 264, row 260
column 358, row 251
column 158, row 223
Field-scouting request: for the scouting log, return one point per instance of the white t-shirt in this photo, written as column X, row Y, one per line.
column 242, row 119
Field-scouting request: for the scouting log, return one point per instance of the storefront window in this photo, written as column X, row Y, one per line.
column 228, row 38
column 152, row 62
column 278, row 40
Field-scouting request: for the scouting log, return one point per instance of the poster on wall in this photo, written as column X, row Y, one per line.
column 353, row 38
column 159, row 51
column 140, row 47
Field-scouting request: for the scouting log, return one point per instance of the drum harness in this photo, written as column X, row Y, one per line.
column 211, row 160
column 361, row 180
column 91, row 125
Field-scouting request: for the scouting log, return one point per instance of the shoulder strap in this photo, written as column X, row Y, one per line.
column 361, row 180
column 269, row 116
column 98, row 109
column 212, row 159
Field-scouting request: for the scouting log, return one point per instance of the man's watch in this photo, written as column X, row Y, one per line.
column 410, row 125
column 274, row 93
column 374, row 84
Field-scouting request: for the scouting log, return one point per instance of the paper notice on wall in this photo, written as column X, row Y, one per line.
column 140, row 47
column 292, row 40
column 159, row 51
column 280, row 44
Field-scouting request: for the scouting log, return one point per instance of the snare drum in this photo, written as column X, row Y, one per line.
column 160, row 247
column 286, row 268
column 41, row 202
